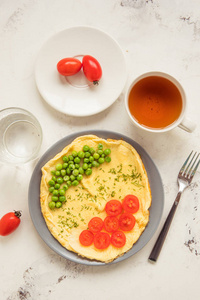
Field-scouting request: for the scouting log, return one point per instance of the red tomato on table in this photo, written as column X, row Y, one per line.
column 95, row 224
column 118, row 239
column 69, row 66
column 130, row 204
column 113, row 208
column 126, row 222
column 92, row 69
column 9, row 222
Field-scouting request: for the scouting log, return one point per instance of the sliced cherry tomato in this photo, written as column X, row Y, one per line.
column 130, row 204
column 69, row 66
column 118, row 239
column 92, row 69
column 9, row 222
column 101, row 240
column 111, row 224
column 113, row 207
column 86, row 238
column 95, row 224
column 126, row 222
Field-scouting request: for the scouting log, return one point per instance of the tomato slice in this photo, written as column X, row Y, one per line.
column 118, row 239
column 131, row 204
column 111, row 224
column 86, row 238
column 113, row 208
column 126, row 222
column 101, row 240
column 95, row 224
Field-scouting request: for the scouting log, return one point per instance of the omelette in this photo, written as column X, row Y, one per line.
column 79, row 181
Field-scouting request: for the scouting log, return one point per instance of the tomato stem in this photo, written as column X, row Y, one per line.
column 96, row 82
column 17, row 213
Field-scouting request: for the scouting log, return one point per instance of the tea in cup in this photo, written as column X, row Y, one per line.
column 156, row 102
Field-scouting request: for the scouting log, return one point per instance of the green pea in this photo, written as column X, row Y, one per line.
column 101, row 160
column 66, row 178
column 65, row 165
column 52, row 205
column 54, row 198
column 90, row 165
column 69, row 183
column 107, row 151
column 91, row 158
column 77, row 160
column 75, row 172
column 71, row 157
column 68, row 171
column 74, row 153
column 81, row 171
column 100, row 152
column 96, row 155
column 91, row 150
column 86, row 148
column 62, row 198
column 87, row 154
column 58, row 204
column 100, row 146
column 57, row 173
column 55, row 193
column 81, row 154
column 88, row 171
column 79, row 177
column 51, row 189
column 53, row 172
column 51, row 182
column 103, row 155
column 62, row 192
column 72, row 177
column 71, row 167
column 63, row 172
column 59, row 167
column 85, row 166
column 95, row 164
column 65, row 187
column 65, row 158
column 57, row 186
column 86, row 160
column 75, row 182
column 108, row 159
column 54, row 178
column 60, row 180
column 77, row 166
column 70, row 162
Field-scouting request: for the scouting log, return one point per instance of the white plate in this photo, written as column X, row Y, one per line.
column 74, row 95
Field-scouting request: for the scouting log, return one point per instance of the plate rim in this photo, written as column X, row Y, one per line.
column 62, row 32
column 48, row 154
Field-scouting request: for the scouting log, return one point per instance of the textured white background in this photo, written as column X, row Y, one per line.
column 154, row 35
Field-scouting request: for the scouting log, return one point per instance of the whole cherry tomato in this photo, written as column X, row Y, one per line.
column 9, row 222
column 69, row 66
column 92, row 69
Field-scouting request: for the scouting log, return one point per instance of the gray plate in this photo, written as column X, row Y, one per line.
column 156, row 208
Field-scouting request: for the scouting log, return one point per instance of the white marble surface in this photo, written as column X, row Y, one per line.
column 154, row 35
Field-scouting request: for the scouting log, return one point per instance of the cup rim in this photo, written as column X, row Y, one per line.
column 175, row 82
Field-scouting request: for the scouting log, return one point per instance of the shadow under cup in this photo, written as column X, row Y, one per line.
column 156, row 102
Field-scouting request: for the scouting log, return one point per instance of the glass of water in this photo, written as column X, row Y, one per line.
column 20, row 136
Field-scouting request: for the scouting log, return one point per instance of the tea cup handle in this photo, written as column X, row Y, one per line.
column 187, row 125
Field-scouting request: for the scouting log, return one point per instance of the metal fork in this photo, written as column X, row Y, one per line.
column 185, row 177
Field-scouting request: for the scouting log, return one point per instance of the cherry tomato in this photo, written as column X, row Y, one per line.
column 9, row 222
column 113, row 207
column 101, row 240
column 126, row 222
column 111, row 224
column 92, row 69
column 118, row 239
column 95, row 224
column 130, row 204
column 69, row 66
column 86, row 238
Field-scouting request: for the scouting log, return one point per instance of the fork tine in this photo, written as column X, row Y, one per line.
column 193, row 171
column 185, row 164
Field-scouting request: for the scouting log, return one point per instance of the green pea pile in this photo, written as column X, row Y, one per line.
column 71, row 172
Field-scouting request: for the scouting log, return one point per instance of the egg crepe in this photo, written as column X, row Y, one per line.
column 124, row 174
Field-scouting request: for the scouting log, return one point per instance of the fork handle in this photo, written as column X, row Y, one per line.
column 161, row 238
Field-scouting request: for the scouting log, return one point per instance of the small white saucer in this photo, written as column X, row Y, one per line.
column 75, row 95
